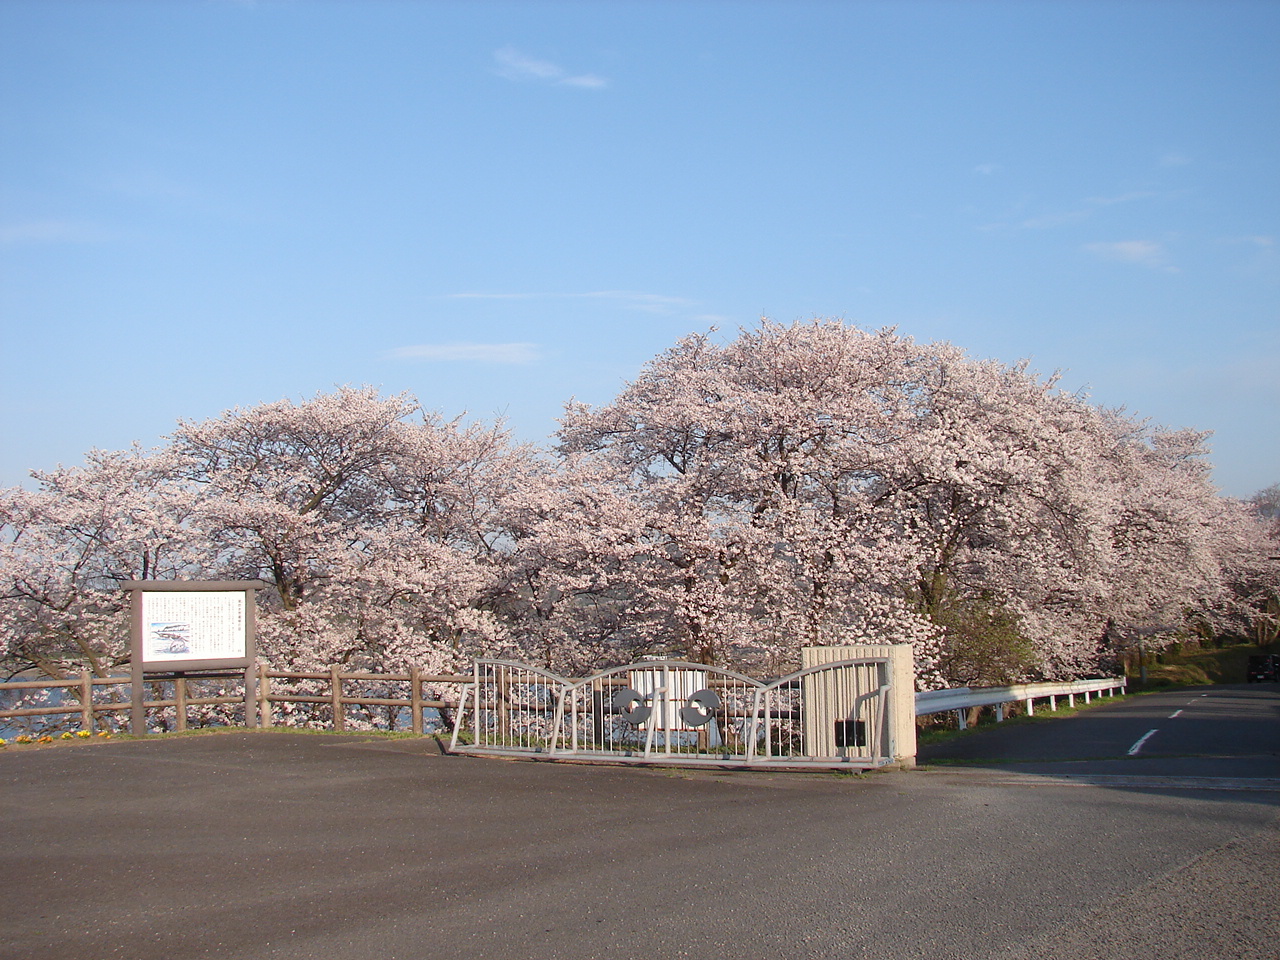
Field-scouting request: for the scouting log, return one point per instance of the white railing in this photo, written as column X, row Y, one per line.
column 674, row 712
column 960, row 699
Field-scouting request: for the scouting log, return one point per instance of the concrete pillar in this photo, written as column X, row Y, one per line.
column 902, row 693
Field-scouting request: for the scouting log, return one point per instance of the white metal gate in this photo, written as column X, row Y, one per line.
column 673, row 712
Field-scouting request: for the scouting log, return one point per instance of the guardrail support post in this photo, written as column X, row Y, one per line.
column 1031, row 707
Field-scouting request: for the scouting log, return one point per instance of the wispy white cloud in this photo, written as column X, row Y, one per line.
column 510, row 353
column 514, row 65
column 1016, row 220
column 653, row 302
column 1257, row 240
column 1084, row 210
column 630, row 299
column 589, row 80
column 494, row 296
column 51, row 231
column 1147, row 253
column 1129, row 197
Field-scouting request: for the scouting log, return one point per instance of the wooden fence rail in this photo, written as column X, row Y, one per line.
column 83, row 688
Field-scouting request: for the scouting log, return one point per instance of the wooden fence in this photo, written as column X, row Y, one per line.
column 314, row 691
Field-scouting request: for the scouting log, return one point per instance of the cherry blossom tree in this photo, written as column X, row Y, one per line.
column 66, row 547
column 581, row 543
column 756, row 465
column 818, row 483
column 1246, row 603
column 805, row 484
column 375, row 525
column 1267, row 505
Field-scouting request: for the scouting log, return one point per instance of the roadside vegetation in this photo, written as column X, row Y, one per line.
column 1194, row 664
column 84, row 736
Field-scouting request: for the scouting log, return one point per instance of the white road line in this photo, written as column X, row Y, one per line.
column 1174, row 714
column 1138, row 746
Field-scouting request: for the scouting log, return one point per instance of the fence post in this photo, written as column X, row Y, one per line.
column 335, row 682
column 86, row 700
column 180, row 701
column 415, row 699
column 264, row 696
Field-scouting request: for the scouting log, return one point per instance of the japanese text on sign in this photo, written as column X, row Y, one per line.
column 200, row 625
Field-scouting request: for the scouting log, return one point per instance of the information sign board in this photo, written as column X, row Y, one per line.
column 179, row 627
column 193, row 625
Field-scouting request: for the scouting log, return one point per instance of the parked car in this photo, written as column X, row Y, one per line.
column 1264, row 668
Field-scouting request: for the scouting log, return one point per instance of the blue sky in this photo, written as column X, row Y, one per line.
column 499, row 206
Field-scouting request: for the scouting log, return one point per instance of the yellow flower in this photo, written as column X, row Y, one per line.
column 83, row 733
column 46, row 739
column 23, row 738
column 66, row 736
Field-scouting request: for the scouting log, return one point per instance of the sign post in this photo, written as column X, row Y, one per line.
column 180, row 627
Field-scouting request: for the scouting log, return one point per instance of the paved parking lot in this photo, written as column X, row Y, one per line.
column 285, row 845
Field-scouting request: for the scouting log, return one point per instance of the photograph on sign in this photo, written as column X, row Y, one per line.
column 201, row 625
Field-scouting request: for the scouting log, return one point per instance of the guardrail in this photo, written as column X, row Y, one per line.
column 960, row 699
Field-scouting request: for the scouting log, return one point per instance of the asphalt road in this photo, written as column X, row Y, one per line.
column 1049, row 840
column 1223, row 731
